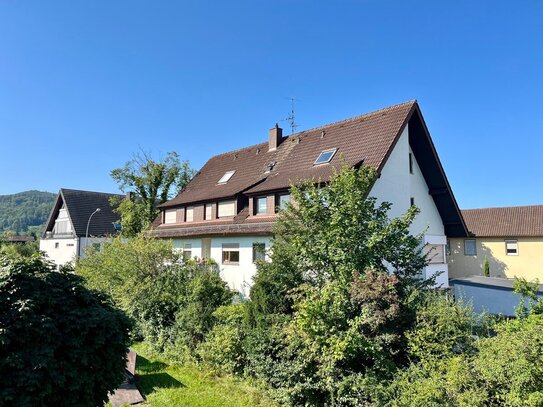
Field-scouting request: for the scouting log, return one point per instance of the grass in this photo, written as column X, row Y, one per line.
column 165, row 384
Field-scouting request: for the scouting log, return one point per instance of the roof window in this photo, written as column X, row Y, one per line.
column 325, row 156
column 226, row 177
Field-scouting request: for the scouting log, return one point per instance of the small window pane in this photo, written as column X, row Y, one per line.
column 259, row 252
column 189, row 215
column 511, row 247
column 470, row 248
column 410, row 163
column 261, row 205
column 170, row 216
column 230, row 253
column 283, row 201
column 226, row 177
column 435, row 253
column 209, row 211
column 187, row 251
column 325, row 156
column 226, row 209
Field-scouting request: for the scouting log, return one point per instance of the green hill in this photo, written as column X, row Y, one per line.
column 25, row 212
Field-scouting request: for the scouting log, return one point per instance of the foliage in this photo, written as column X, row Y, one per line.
column 224, row 348
column 171, row 301
column 528, row 296
column 18, row 250
column 486, row 267
column 152, row 182
column 443, row 328
column 25, row 212
column 61, row 344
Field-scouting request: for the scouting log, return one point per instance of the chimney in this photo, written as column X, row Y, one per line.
column 276, row 136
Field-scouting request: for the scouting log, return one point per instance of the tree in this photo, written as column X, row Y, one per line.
column 62, row 344
column 152, row 182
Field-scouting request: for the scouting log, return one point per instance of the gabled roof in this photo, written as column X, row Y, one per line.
column 369, row 138
column 513, row 221
column 80, row 205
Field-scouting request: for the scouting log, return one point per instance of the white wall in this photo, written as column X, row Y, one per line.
column 240, row 276
column 397, row 185
column 64, row 253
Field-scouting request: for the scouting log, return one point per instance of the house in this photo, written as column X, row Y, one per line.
column 511, row 238
column 75, row 224
column 228, row 209
column 17, row 239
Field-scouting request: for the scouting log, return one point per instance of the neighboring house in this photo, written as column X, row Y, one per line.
column 65, row 237
column 228, row 209
column 511, row 238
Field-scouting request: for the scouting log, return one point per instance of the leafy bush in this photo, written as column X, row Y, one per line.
column 171, row 301
column 61, row 344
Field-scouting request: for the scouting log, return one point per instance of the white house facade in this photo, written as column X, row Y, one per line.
column 66, row 237
column 227, row 211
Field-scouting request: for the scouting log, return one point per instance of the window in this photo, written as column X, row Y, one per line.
column 230, row 253
column 435, row 253
column 325, row 156
column 170, row 216
column 96, row 247
column 227, row 208
column 470, row 248
column 57, row 244
column 189, row 214
column 511, row 247
column 412, row 201
column 261, row 205
column 62, row 223
column 410, row 163
column 283, row 201
column 187, row 251
column 70, row 244
column 209, row 211
column 226, row 177
column 259, row 252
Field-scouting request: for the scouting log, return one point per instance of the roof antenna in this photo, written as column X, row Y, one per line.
column 290, row 117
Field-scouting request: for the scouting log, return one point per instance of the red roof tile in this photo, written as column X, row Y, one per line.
column 514, row 221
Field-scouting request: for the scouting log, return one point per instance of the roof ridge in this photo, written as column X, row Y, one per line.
column 90, row 192
column 374, row 112
column 321, row 126
column 503, row 207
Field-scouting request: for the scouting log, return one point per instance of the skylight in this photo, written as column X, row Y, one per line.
column 226, row 177
column 325, row 156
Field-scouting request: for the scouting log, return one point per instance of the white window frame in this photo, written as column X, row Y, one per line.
column 515, row 247
column 257, row 205
column 226, row 177
column 228, row 248
column 187, row 251
column 332, row 150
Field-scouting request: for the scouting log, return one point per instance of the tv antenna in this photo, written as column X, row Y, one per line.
column 291, row 118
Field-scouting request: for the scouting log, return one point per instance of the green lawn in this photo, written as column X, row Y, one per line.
column 167, row 385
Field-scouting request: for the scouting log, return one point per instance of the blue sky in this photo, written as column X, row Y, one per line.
column 85, row 84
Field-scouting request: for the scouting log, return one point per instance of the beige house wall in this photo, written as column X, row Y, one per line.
column 527, row 264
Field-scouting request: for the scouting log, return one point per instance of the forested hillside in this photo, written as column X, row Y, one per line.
column 25, row 212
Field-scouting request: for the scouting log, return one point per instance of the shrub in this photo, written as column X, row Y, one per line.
column 61, row 344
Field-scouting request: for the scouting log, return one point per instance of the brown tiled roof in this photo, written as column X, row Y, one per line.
column 513, row 221
column 367, row 138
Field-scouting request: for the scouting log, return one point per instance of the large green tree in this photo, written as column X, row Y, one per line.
column 153, row 183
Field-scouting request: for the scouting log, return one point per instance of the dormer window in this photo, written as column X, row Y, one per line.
column 226, row 177
column 325, row 156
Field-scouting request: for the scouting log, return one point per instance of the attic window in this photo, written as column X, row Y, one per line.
column 226, row 177
column 325, row 156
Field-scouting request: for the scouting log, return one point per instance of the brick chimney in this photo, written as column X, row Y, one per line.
column 276, row 136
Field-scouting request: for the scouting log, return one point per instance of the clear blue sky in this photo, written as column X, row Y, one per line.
column 85, row 84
